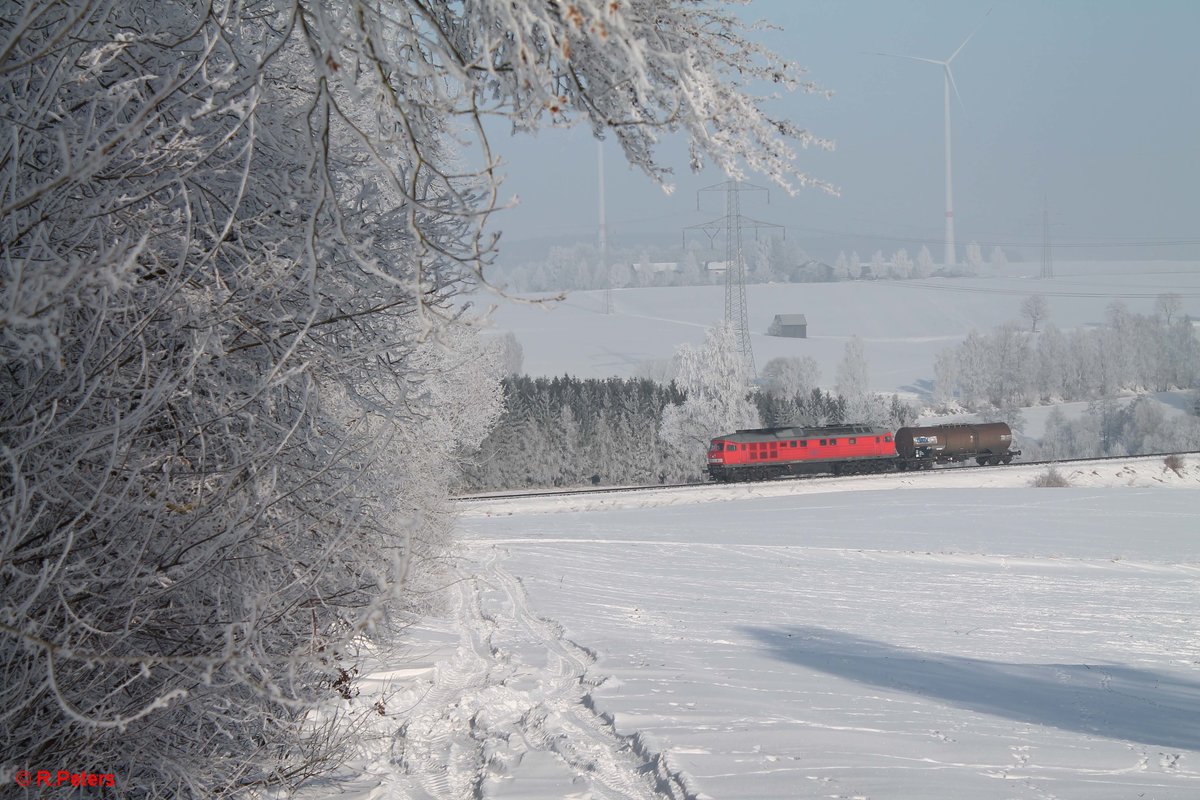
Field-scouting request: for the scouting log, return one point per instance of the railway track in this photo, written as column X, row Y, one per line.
column 584, row 490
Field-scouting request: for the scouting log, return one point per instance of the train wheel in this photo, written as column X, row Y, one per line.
column 1007, row 459
column 981, row 461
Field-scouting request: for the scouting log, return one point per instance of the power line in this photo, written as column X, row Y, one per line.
column 1033, row 289
column 1097, row 243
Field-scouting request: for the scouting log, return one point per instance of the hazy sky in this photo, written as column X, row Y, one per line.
column 1091, row 105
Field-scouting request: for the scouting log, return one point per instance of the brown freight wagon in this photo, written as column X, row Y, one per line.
column 987, row 443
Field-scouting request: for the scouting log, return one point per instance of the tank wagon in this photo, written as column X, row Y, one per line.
column 987, row 443
column 762, row 453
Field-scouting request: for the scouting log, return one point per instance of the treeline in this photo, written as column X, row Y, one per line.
column 1010, row 367
column 1112, row 428
column 580, row 267
column 568, row 431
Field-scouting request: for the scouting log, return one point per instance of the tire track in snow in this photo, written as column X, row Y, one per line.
column 564, row 723
column 434, row 749
column 517, row 686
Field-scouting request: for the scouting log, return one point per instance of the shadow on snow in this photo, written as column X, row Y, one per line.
column 1107, row 700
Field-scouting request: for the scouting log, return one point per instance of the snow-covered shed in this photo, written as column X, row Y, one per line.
column 793, row 325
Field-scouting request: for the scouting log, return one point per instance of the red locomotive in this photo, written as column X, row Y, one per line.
column 773, row 452
column 763, row 453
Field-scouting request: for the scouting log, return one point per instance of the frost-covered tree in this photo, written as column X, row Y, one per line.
column 235, row 377
column 998, row 259
column 1118, row 346
column 1168, row 306
column 878, row 265
column 715, row 379
column 886, row 410
column 902, row 265
column 974, row 257
column 510, row 353
column 852, row 376
column 1059, row 437
column 1035, row 309
column 1182, row 354
column 924, row 266
column 1009, row 367
column 1050, row 354
column 841, row 267
column 945, row 372
column 974, row 369
column 791, row 375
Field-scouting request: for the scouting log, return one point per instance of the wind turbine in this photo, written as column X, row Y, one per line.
column 948, row 84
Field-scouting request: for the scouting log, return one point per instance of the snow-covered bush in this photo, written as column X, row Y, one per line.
column 1050, row 478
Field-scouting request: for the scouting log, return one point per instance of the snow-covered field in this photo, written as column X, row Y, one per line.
column 943, row 635
column 903, row 324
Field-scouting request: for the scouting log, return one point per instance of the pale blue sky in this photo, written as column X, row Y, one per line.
column 1093, row 105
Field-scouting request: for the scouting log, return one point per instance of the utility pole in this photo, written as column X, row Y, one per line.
column 604, row 265
column 735, row 262
column 1047, row 256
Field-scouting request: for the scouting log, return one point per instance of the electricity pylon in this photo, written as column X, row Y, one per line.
column 735, row 261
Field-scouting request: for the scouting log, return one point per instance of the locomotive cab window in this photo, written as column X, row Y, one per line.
column 887, row 438
column 731, row 447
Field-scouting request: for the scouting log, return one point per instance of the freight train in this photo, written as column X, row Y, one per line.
column 762, row 453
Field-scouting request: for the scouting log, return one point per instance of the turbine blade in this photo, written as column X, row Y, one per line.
column 954, row 86
column 964, row 44
column 912, row 58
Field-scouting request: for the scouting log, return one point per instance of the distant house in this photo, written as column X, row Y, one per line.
column 716, row 266
column 792, row 325
column 813, row 270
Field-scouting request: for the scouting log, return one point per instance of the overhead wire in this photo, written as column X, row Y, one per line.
column 1027, row 290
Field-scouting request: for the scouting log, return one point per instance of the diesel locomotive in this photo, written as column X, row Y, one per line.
column 763, row 453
